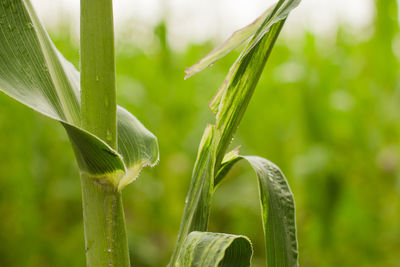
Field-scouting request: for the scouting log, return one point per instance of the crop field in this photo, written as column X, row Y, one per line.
column 326, row 110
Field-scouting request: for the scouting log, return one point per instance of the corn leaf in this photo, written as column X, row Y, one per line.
column 215, row 249
column 229, row 105
column 280, row 12
column 198, row 201
column 258, row 27
column 239, row 86
column 278, row 209
column 34, row 73
column 236, row 39
column 277, row 206
column 229, row 160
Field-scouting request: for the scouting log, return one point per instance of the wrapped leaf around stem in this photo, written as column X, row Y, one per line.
column 34, row 73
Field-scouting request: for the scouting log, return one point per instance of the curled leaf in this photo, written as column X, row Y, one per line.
column 215, row 250
column 33, row 72
column 257, row 29
column 198, row 200
column 278, row 209
column 236, row 39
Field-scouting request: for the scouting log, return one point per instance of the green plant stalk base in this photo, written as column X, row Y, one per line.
column 106, row 243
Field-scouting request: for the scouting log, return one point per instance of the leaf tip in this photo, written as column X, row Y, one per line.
column 189, row 73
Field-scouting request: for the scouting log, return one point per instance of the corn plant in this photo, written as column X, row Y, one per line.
column 110, row 144
column 195, row 246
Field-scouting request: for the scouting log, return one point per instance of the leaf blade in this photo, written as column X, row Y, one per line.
column 198, row 200
column 257, row 29
column 236, row 39
column 278, row 210
column 215, row 249
column 136, row 144
column 33, row 72
column 239, row 86
column 229, row 105
column 278, row 213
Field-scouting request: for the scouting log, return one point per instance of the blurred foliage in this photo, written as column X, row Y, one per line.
column 327, row 111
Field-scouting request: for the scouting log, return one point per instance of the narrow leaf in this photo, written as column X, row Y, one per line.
column 236, row 39
column 239, row 87
column 229, row 105
column 280, row 12
column 227, row 163
column 278, row 210
column 257, row 29
column 198, row 201
column 215, row 249
column 34, row 73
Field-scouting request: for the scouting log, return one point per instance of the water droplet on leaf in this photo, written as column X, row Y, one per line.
column 109, row 136
column 44, row 67
column 29, row 25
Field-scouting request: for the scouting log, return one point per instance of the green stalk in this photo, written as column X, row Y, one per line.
column 99, row 106
column 104, row 223
column 103, row 215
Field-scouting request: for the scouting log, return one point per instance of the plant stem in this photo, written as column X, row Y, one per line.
column 98, row 93
column 104, row 224
column 105, row 232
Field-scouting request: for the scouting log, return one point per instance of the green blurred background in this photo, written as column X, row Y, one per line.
column 327, row 111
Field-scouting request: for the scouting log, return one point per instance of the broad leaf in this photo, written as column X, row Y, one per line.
column 34, row 73
column 215, row 250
